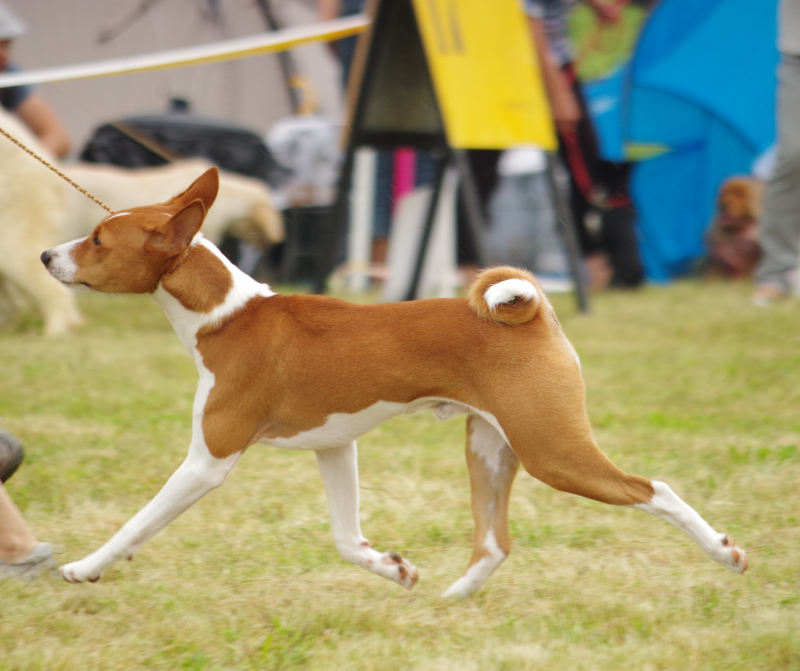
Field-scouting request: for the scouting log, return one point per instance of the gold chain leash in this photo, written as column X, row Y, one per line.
column 56, row 170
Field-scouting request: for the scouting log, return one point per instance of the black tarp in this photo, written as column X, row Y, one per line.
column 176, row 135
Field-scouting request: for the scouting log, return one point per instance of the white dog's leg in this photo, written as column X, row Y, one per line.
column 720, row 547
column 56, row 303
column 339, row 469
column 195, row 477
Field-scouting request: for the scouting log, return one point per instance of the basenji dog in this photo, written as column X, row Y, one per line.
column 315, row 373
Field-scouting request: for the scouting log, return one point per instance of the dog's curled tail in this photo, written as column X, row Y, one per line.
column 505, row 295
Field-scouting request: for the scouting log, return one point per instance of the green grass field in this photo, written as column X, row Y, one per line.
column 688, row 384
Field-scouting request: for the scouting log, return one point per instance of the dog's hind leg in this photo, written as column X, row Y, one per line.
column 562, row 454
column 492, row 467
column 338, row 467
column 197, row 476
column 719, row 546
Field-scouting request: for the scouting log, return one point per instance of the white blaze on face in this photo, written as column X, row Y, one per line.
column 117, row 215
column 61, row 265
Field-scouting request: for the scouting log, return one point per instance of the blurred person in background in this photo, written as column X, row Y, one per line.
column 779, row 235
column 598, row 187
column 327, row 10
column 23, row 100
column 344, row 50
column 21, row 555
column 523, row 230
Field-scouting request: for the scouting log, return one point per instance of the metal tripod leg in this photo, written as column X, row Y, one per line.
column 337, row 225
column 567, row 228
column 427, row 228
column 472, row 205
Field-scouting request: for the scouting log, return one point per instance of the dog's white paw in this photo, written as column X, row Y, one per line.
column 731, row 556
column 460, row 589
column 401, row 571
column 81, row 571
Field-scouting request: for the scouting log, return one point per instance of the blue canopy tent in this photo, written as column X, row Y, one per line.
column 695, row 104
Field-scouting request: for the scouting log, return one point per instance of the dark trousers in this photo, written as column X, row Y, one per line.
column 603, row 187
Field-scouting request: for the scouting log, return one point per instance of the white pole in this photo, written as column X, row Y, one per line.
column 442, row 268
column 242, row 47
column 362, row 207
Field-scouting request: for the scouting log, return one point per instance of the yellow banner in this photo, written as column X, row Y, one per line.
column 485, row 72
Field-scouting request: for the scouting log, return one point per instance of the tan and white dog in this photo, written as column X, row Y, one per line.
column 315, row 373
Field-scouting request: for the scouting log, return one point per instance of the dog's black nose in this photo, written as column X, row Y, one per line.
column 45, row 257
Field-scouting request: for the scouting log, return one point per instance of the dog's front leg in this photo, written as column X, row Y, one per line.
column 195, row 477
column 339, row 469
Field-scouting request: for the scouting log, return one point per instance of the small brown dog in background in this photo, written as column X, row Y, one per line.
column 733, row 249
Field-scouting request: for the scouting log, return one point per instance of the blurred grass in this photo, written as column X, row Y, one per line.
column 689, row 384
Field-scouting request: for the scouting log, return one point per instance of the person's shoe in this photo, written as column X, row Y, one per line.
column 11, row 454
column 40, row 559
column 767, row 294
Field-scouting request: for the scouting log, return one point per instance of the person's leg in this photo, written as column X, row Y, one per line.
column 617, row 212
column 16, row 539
column 603, row 185
column 509, row 240
column 382, row 211
column 549, row 262
column 619, row 241
column 780, row 225
column 580, row 188
column 11, row 455
column 21, row 555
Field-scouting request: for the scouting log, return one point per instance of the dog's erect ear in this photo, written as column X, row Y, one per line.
column 176, row 234
column 204, row 189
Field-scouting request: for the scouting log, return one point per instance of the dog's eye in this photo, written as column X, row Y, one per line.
column 96, row 241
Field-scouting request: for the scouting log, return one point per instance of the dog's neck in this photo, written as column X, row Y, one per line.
column 204, row 290
column 177, row 261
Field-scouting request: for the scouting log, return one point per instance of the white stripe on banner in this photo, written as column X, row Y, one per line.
column 265, row 43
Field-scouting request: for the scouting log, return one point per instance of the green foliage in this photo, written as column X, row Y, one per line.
column 602, row 48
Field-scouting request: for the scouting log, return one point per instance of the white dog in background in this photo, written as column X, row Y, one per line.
column 33, row 209
column 39, row 210
column 244, row 208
